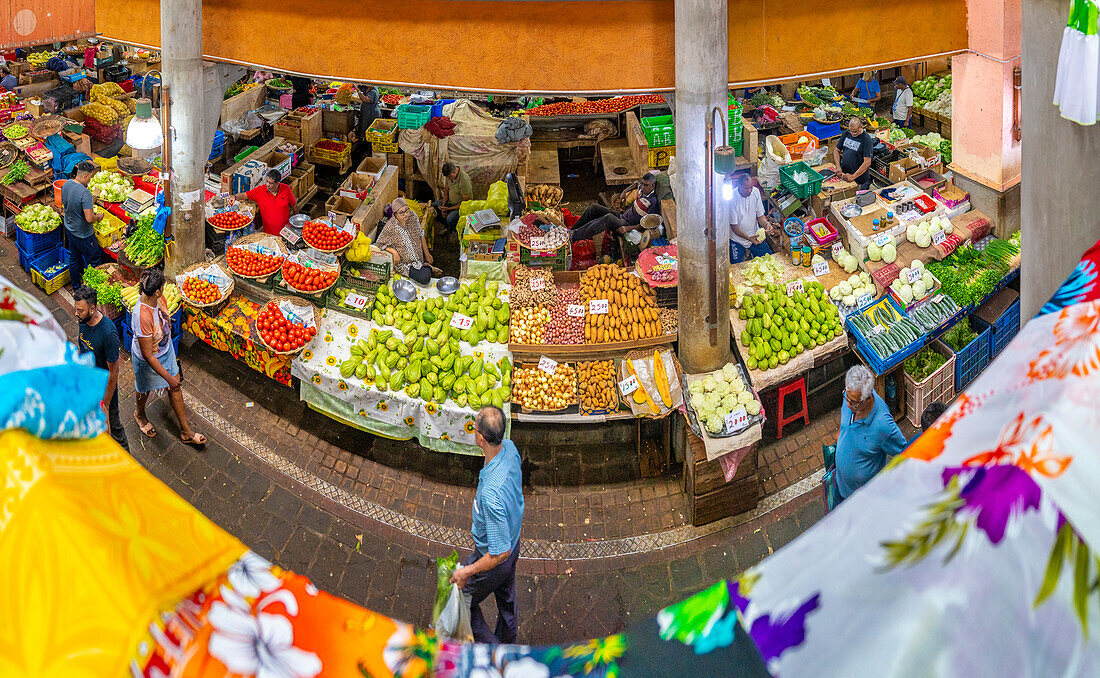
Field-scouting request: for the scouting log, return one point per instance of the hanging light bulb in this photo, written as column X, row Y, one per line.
column 144, row 132
column 727, row 189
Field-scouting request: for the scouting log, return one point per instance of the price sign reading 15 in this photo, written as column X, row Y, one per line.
column 461, row 322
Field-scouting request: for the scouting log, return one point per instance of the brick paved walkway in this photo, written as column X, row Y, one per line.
column 307, row 494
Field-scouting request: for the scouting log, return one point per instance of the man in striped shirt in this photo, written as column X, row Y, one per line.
column 497, row 519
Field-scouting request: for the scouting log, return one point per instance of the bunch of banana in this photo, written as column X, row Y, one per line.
column 545, row 195
column 130, row 296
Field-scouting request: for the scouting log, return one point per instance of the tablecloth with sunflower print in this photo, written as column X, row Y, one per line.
column 231, row 330
column 443, row 428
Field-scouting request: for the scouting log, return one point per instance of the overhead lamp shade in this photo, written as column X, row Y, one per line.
column 144, row 131
column 725, row 160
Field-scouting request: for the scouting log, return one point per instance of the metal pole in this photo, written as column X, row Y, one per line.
column 184, row 147
column 702, row 223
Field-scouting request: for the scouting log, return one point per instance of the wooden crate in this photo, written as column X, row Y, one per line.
column 303, row 129
column 305, row 173
column 710, row 497
column 236, row 106
column 337, row 122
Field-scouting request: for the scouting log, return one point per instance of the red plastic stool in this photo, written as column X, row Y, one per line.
column 796, row 386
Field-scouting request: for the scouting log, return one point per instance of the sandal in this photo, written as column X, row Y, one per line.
column 196, row 440
column 147, row 428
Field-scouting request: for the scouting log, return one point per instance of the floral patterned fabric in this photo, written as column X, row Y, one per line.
column 446, row 428
column 231, row 331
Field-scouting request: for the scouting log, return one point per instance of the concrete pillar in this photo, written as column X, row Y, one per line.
column 986, row 155
column 701, row 81
column 1061, row 173
column 182, row 67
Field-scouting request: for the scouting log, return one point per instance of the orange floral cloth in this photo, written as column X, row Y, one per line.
column 232, row 331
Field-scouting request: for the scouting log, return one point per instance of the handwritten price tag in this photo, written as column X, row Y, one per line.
column 838, row 247
column 938, row 237
column 865, row 299
column 737, row 420
column 794, row 286
column 628, row 385
column 539, row 243
column 356, row 301
column 882, row 239
column 461, row 322
column 575, row 310
column 547, row 365
column 332, row 216
column 537, row 284
column 937, row 299
column 821, row 268
column 912, row 275
column 597, row 306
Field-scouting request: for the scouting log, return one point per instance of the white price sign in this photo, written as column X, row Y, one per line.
column 882, row 239
column 838, row 247
column 356, row 300
column 539, row 243
column 597, row 306
column 938, row 237
column 332, row 217
column 537, row 284
column 821, row 268
column 628, row 385
column 547, row 365
column 794, row 286
column 912, row 275
column 575, row 310
column 461, row 322
column 864, row 299
column 937, row 299
column 737, row 420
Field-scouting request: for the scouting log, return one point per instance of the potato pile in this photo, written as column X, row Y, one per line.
column 632, row 306
column 598, row 389
column 534, row 389
column 528, row 325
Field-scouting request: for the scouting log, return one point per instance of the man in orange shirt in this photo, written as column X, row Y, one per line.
column 274, row 199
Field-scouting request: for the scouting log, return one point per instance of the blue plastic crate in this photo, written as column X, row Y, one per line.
column 33, row 243
column 24, row 260
column 878, row 365
column 218, row 146
column 1004, row 329
column 43, row 261
column 437, row 107
column 974, row 357
column 121, row 322
column 824, row 130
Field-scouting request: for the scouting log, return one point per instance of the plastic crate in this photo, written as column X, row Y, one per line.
column 878, row 365
column 558, row 262
column 826, row 239
column 50, row 269
column 177, row 321
column 437, row 107
column 974, row 357
column 365, row 276
column 795, row 147
column 800, row 191
column 331, row 155
column 245, row 153
column 412, row 116
column 24, row 260
column 382, row 131
column 127, row 338
column 660, row 157
column 1004, row 329
column 380, row 147
column 659, row 130
column 218, row 146
column 108, row 230
column 332, row 302
column 33, row 243
column 940, row 385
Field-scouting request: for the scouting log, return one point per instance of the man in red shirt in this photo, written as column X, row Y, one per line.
column 275, row 201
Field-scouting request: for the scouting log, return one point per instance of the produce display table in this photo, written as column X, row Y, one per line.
column 543, row 167
column 230, row 330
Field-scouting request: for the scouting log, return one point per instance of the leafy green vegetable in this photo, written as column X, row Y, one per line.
column 108, row 293
column 145, row 247
column 960, row 336
column 925, row 362
column 808, row 97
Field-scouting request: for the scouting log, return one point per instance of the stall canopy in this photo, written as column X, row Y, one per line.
column 37, row 22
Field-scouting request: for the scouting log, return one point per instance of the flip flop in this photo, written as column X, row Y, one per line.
column 196, row 440
column 147, row 430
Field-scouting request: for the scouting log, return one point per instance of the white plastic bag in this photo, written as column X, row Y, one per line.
column 775, row 155
column 814, row 157
column 451, row 612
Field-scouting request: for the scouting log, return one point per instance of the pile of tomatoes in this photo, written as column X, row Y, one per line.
column 321, row 236
column 280, row 333
column 329, row 145
column 613, row 105
column 230, row 221
column 307, row 279
column 247, row 262
column 200, row 291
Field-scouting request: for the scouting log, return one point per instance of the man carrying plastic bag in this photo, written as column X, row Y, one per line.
column 451, row 613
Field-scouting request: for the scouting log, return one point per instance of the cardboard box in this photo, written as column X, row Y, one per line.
column 262, row 151
column 373, row 165
column 248, row 176
column 357, row 185
column 337, row 122
column 901, row 169
column 34, row 107
column 931, row 179
column 343, row 206
column 277, row 161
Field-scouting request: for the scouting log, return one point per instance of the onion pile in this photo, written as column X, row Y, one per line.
column 564, row 328
column 521, row 293
column 534, row 389
column 528, row 324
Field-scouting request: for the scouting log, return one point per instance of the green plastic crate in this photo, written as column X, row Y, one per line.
column 245, row 153
column 800, row 191
column 412, row 116
column 659, row 131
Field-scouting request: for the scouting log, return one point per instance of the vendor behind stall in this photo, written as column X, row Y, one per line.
column 275, row 201
column 867, row 91
column 598, row 219
column 9, row 81
column 403, row 239
column 748, row 225
column 369, row 110
column 457, row 187
column 853, row 154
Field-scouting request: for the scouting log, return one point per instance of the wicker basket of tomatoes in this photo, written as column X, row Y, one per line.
column 324, row 237
column 282, row 335
column 248, row 263
column 230, row 221
column 201, row 293
column 312, row 280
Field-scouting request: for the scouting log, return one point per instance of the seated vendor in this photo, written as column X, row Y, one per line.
column 597, row 219
column 403, row 238
column 457, row 187
column 9, row 81
column 853, row 154
column 274, row 199
column 748, row 224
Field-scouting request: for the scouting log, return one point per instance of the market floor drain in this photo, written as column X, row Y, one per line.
column 532, row 549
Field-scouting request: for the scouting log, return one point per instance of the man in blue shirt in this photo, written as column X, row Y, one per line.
column 9, row 81
column 867, row 91
column 869, row 436
column 497, row 520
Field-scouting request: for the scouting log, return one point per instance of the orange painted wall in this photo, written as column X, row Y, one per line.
column 26, row 23
column 547, row 46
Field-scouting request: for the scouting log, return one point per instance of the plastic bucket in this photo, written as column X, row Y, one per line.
column 57, row 193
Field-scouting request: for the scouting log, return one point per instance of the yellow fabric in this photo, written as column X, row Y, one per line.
column 92, row 547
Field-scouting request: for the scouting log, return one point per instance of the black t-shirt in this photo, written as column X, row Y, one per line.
column 853, row 150
column 101, row 340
